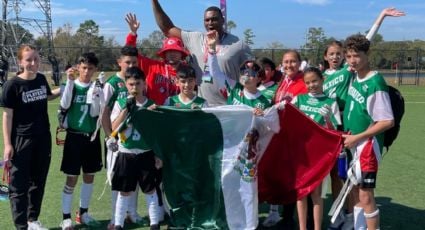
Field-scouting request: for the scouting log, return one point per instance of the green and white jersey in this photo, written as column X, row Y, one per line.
column 114, row 89
column 79, row 116
column 336, row 84
column 268, row 89
column 367, row 102
column 310, row 104
column 238, row 96
column 131, row 139
column 176, row 101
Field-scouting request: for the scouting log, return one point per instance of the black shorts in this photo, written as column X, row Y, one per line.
column 81, row 153
column 131, row 169
column 368, row 180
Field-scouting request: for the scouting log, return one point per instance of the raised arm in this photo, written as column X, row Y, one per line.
column 133, row 25
column 391, row 11
column 164, row 22
column 214, row 68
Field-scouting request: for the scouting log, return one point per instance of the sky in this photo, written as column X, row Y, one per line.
column 283, row 21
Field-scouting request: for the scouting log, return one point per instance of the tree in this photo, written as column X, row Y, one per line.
column 152, row 44
column 315, row 44
column 66, row 45
column 230, row 26
column 15, row 34
column 248, row 37
column 275, row 45
column 88, row 35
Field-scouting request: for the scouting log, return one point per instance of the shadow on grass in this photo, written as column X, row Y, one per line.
column 393, row 216
column 398, row 216
column 104, row 225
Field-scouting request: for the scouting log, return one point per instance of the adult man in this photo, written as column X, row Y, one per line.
column 231, row 52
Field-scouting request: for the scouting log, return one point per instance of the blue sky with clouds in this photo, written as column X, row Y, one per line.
column 284, row 21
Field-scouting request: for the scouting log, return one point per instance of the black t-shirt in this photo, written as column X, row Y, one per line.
column 28, row 99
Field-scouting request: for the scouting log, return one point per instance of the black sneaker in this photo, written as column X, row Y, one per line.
column 118, row 227
column 154, row 227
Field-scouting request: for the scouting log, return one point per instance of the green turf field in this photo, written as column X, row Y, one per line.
column 400, row 186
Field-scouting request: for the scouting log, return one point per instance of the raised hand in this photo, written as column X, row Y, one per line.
column 132, row 22
column 393, row 12
column 212, row 39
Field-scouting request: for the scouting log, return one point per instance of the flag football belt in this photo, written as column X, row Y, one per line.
column 73, row 131
column 354, row 177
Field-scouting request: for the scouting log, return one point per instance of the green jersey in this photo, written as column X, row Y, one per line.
column 196, row 102
column 268, row 89
column 367, row 102
column 336, row 84
column 311, row 104
column 131, row 139
column 238, row 96
column 78, row 117
column 115, row 89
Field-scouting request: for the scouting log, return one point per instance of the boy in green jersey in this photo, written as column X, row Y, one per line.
column 186, row 99
column 367, row 115
column 135, row 162
column 80, row 153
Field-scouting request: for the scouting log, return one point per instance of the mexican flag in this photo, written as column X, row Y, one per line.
column 210, row 162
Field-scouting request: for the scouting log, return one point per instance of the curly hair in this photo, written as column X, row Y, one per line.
column 357, row 43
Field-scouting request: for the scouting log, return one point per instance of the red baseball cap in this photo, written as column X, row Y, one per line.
column 172, row 43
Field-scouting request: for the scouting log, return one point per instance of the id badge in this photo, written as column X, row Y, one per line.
column 206, row 76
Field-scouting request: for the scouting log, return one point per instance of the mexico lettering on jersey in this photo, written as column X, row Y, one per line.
column 134, row 142
column 196, row 102
column 268, row 89
column 238, row 96
column 367, row 102
column 336, row 84
column 119, row 90
column 310, row 104
column 78, row 117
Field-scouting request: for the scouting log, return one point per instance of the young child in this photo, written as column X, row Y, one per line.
column 136, row 163
column 114, row 90
column 367, row 115
column 79, row 152
column 269, row 78
column 160, row 75
column 186, row 99
column 324, row 110
column 27, row 138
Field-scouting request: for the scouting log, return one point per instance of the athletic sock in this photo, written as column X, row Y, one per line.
column 153, row 208
column 114, row 196
column 359, row 218
column 121, row 209
column 86, row 192
column 274, row 208
column 67, row 195
column 132, row 203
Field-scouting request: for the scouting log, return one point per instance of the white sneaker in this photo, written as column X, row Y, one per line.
column 36, row 225
column 272, row 219
column 87, row 220
column 67, row 224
